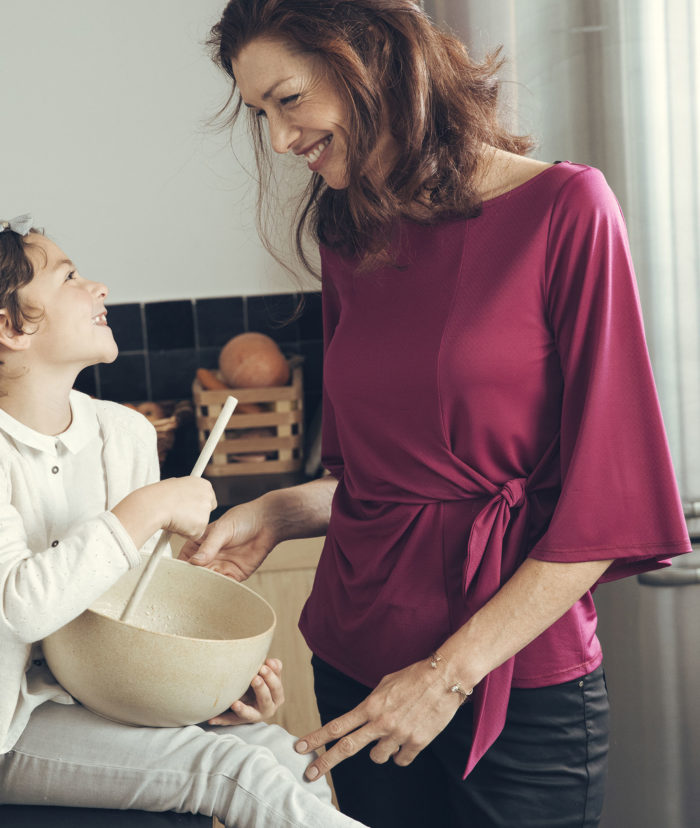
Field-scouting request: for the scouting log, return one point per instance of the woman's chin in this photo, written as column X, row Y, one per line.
column 334, row 179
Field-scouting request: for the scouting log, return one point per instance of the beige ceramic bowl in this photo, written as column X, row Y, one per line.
column 195, row 642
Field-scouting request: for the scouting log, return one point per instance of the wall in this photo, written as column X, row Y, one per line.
column 104, row 140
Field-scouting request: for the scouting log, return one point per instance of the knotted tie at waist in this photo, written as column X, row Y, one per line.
column 494, row 551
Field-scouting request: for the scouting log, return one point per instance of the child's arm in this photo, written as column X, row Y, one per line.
column 41, row 590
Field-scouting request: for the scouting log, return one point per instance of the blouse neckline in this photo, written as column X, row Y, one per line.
column 519, row 187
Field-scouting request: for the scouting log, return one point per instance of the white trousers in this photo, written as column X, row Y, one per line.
column 248, row 776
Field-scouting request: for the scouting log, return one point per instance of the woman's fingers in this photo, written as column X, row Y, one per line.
column 351, row 735
column 331, row 731
column 217, row 534
column 384, row 750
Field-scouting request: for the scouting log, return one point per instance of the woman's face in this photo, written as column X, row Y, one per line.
column 304, row 112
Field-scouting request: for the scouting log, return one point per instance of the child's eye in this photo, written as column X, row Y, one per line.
column 70, row 275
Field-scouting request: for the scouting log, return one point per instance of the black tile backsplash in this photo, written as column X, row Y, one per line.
column 310, row 322
column 125, row 322
column 272, row 315
column 217, row 320
column 87, row 381
column 161, row 344
column 313, row 363
column 171, row 373
column 125, row 379
column 170, row 325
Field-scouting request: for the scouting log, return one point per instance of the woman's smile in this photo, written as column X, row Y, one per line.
column 317, row 153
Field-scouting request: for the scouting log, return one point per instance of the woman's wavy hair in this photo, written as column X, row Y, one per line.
column 16, row 271
column 390, row 64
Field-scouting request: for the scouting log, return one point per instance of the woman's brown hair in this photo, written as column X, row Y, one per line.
column 390, row 64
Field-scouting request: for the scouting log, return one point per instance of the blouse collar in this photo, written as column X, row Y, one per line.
column 82, row 429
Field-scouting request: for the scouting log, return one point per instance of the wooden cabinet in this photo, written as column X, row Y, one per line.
column 285, row 581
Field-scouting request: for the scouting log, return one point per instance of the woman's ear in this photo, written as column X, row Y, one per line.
column 10, row 337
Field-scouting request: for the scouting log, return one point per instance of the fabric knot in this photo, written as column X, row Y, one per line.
column 514, row 492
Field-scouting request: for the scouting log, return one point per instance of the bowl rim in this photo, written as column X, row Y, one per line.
column 111, row 618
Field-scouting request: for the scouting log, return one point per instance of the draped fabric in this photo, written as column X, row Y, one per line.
column 487, row 399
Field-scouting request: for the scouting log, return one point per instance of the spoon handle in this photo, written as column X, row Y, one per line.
column 197, row 471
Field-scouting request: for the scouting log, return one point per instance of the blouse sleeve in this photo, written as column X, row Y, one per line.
column 619, row 498
column 331, row 455
column 41, row 590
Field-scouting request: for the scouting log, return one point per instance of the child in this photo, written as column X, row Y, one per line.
column 78, row 497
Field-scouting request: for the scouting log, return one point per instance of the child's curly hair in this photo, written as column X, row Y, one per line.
column 16, row 271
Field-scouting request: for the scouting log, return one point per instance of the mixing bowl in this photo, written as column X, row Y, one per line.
column 191, row 649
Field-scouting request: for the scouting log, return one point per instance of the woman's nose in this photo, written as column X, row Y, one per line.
column 282, row 135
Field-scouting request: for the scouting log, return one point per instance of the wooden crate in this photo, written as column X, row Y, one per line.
column 283, row 449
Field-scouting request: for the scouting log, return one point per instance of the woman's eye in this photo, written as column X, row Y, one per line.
column 289, row 99
column 260, row 113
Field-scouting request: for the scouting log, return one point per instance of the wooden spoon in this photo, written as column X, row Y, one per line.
column 197, row 471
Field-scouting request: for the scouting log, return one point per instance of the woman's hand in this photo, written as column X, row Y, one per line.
column 235, row 544
column 262, row 700
column 240, row 540
column 402, row 715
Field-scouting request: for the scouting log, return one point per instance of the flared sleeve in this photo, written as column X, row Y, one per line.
column 619, row 497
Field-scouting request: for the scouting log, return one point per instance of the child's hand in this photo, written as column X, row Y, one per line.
column 187, row 503
column 264, row 696
column 178, row 504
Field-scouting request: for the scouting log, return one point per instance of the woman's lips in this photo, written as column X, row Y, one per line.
column 318, row 157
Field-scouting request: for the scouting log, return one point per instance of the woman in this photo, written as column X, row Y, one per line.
column 490, row 424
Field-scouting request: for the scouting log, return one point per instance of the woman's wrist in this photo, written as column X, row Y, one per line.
column 299, row 511
column 449, row 677
column 464, row 660
column 273, row 520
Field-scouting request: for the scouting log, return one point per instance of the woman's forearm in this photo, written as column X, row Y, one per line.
column 300, row 511
column 537, row 595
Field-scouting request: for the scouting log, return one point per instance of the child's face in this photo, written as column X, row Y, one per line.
column 72, row 330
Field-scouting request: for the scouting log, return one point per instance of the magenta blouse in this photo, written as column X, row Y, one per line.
column 488, row 400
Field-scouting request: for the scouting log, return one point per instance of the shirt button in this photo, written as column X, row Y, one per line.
column 54, row 470
column 54, row 543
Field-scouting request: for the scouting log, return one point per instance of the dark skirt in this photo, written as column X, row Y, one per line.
column 546, row 770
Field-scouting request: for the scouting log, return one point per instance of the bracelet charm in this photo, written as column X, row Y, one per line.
column 435, row 658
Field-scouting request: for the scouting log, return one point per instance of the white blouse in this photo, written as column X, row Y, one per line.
column 60, row 546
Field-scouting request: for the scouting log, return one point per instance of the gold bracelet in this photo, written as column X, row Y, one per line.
column 435, row 658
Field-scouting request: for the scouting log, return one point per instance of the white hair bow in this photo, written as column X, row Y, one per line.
column 19, row 224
